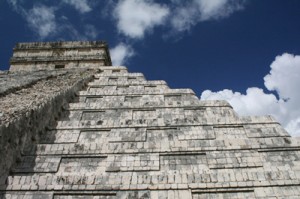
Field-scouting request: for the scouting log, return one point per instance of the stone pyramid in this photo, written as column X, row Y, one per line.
column 121, row 136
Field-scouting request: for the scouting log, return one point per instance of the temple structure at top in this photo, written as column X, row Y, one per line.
column 57, row 55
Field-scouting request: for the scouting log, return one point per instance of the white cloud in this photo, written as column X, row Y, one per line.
column 81, row 5
column 211, row 9
column 184, row 17
column 41, row 19
column 293, row 127
column 135, row 17
column 120, row 54
column 190, row 13
column 284, row 79
column 247, row 104
column 284, row 76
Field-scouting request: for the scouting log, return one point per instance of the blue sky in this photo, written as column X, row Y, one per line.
column 244, row 51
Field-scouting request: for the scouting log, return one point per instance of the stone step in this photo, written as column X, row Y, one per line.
column 123, row 81
column 40, row 164
column 99, row 92
column 194, row 114
column 160, row 144
column 120, row 73
column 144, row 100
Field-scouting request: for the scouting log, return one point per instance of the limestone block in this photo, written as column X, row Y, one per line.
column 32, row 164
column 84, row 196
column 128, row 135
column 231, row 194
column 230, row 132
column 184, row 162
column 196, row 133
column 60, row 136
column 140, row 162
column 98, row 137
column 264, row 130
column 232, row 159
column 82, row 165
column 28, row 195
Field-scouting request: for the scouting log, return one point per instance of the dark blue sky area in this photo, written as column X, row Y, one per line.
column 233, row 52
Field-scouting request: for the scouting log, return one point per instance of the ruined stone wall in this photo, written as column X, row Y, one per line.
column 29, row 103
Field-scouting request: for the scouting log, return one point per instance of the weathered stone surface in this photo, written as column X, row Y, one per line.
column 29, row 105
column 125, row 137
column 13, row 81
column 57, row 55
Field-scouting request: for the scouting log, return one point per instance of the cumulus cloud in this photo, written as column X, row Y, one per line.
column 284, row 79
column 120, row 54
column 190, row 13
column 42, row 20
column 247, row 104
column 81, row 5
column 135, row 17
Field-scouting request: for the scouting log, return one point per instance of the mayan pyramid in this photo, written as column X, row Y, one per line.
column 73, row 126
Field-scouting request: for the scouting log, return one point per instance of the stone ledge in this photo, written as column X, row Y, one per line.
column 59, row 44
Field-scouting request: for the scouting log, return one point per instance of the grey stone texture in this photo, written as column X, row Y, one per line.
column 57, row 55
column 125, row 137
column 30, row 102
